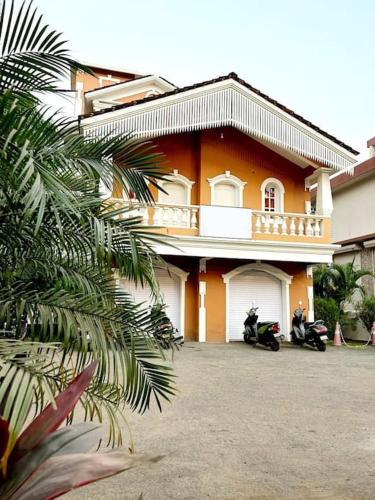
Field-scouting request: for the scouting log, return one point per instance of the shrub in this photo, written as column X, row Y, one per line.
column 329, row 311
column 366, row 312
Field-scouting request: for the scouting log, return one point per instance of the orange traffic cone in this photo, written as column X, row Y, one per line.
column 337, row 337
column 373, row 334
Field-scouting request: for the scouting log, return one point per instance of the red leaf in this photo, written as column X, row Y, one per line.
column 60, row 474
column 4, row 436
column 50, row 419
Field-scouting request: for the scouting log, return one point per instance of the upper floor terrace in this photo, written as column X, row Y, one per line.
column 240, row 166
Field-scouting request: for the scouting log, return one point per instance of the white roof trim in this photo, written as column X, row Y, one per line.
column 130, row 87
column 347, row 249
column 224, row 103
column 369, row 244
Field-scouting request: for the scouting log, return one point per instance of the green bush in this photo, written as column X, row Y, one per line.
column 329, row 311
column 366, row 312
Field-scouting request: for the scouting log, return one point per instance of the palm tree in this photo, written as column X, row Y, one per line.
column 323, row 284
column 346, row 279
column 339, row 282
column 60, row 307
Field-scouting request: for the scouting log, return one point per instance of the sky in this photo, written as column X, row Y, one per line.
column 314, row 56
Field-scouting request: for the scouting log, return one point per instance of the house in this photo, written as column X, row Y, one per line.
column 239, row 206
column 353, row 197
column 353, row 225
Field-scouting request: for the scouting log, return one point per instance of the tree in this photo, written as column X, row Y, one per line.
column 60, row 307
column 339, row 282
column 323, row 282
column 366, row 312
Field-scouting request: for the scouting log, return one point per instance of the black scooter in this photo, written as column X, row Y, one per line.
column 165, row 333
column 266, row 333
column 311, row 333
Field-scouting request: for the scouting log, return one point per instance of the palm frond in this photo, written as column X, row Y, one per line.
column 60, row 305
column 33, row 57
column 23, row 371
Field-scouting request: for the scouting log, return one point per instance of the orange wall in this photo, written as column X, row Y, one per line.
column 215, row 292
column 201, row 155
column 182, row 152
column 191, row 266
column 216, row 298
column 91, row 82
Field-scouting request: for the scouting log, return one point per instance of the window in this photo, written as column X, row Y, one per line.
column 270, row 199
column 177, row 194
column 226, row 190
column 178, row 190
column 272, row 195
column 225, row 195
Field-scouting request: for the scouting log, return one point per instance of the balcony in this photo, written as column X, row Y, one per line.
column 232, row 223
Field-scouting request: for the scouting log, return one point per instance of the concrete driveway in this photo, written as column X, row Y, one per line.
column 249, row 423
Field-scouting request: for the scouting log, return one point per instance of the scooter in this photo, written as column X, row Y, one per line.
column 311, row 333
column 165, row 333
column 266, row 333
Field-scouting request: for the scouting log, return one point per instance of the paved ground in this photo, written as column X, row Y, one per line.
column 249, row 423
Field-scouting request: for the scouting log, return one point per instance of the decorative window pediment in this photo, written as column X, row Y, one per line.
column 178, row 188
column 226, row 190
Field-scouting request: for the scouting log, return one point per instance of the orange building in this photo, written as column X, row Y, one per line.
column 238, row 204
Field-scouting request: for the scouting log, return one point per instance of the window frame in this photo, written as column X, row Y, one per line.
column 228, row 178
column 177, row 178
column 272, row 182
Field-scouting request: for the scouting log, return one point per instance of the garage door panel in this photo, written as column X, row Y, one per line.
column 258, row 288
column 169, row 285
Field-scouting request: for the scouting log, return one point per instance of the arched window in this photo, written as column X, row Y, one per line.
column 272, row 195
column 178, row 188
column 226, row 190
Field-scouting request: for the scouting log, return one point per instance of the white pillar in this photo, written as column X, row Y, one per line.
column 324, row 204
column 310, row 298
column 78, row 98
column 202, row 312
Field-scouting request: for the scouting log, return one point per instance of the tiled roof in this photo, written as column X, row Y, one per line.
column 358, row 239
column 235, row 77
column 360, row 169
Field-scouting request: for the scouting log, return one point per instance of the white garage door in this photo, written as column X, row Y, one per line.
column 169, row 285
column 259, row 288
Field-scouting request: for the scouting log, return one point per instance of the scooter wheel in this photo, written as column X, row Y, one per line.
column 321, row 346
column 275, row 346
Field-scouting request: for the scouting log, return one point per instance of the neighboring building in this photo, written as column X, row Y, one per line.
column 240, row 165
column 353, row 218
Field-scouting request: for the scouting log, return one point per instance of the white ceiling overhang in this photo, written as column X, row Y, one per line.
column 227, row 248
column 224, row 103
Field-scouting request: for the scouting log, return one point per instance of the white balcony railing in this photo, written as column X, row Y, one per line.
column 183, row 216
column 259, row 222
column 164, row 215
column 287, row 224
